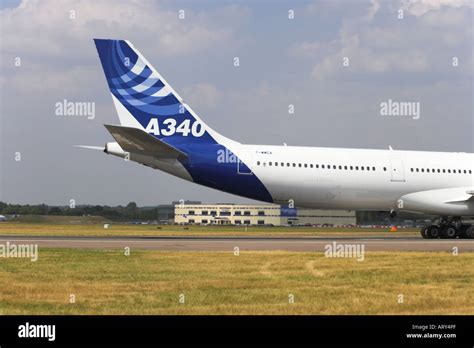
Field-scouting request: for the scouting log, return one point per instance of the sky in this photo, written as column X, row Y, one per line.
column 336, row 62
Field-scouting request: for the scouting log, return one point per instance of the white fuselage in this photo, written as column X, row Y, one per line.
column 339, row 178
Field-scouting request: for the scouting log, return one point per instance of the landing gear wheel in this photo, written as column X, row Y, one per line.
column 423, row 231
column 449, row 231
column 469, row 232
column 433, row 231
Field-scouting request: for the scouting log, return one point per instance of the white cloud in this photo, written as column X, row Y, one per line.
column 389, row 44
column 421, row 7
column 44, row 29
column 202, row 95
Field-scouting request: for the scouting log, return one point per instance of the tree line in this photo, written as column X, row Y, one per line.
column 119, row 213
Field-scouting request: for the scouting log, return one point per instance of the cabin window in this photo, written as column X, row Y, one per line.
column 384, row 169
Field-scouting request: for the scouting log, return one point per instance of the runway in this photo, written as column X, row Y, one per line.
column 185, row 243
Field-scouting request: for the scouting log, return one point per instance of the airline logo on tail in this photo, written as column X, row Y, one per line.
column 142, row 95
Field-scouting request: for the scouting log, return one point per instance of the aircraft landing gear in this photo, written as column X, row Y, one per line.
column 448, row 229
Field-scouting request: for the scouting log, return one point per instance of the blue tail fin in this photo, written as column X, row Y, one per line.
column 144, row 99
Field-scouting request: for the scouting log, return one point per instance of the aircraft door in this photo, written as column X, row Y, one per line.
column 397, row 170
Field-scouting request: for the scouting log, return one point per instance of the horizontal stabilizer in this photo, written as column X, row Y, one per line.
column 137, row 141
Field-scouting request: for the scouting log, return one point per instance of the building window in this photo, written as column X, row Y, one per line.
column 247, row 213
column 224, row 213
column 205, row 212
column 237, row 213
column 238, row 222
column 213, row 212
column 191, row 221
column 246, row 222
column 191, row 212
column 261, row 222
column 261, row 213
column 204, row 221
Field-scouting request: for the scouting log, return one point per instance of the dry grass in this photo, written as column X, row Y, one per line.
column 150, row 282
column 37, row 229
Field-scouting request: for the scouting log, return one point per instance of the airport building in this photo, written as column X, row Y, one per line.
column 259, row 214
column 166, row 211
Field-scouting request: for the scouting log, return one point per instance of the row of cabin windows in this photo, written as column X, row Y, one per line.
column 328, row 166
column 317, row 166
column 431, row 170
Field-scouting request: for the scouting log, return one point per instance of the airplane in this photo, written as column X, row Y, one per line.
column 158, row 129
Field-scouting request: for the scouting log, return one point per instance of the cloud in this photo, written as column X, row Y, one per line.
column 377, row 42
column 66, row 27
column 421, row 7
column 203, row 95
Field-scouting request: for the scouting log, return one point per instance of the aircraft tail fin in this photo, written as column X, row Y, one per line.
column 145, row 100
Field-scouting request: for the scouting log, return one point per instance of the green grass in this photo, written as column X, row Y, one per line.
column 12, row 228
column 150, row 282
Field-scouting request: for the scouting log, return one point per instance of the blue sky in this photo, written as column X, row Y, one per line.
column 283, row 61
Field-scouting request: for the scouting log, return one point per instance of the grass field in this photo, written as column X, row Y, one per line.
column 150, row 282
column 95, row 229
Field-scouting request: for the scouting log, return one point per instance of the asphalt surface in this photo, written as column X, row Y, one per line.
column 307, row 244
